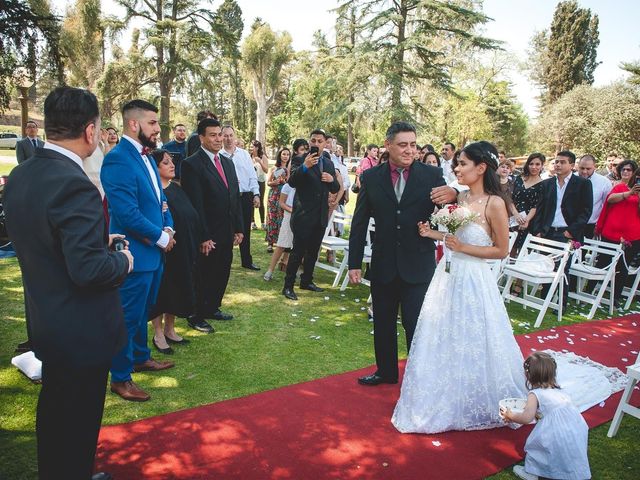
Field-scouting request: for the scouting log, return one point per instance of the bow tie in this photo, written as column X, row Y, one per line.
column 145, row 151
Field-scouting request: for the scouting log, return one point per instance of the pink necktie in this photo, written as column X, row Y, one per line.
column 216, row 161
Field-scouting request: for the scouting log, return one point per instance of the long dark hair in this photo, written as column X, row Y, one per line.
column 484, row 152
column 531, row 158
column 279, row 157
column 259, row 149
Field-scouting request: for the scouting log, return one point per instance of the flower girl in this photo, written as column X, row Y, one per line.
column 557, row 446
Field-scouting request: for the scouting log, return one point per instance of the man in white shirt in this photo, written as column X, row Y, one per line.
column 601, row 186
column 446, row 160
column 249, row 189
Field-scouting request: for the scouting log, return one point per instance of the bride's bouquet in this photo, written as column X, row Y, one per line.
column 451, row 218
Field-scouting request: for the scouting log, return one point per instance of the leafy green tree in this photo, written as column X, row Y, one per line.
column 508, row 121
column 407, row 36
column 264, row 53
column 634, row 69
column 566, row 55
column 592, row 120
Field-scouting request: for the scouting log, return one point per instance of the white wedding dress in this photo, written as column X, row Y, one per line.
column 464, row 358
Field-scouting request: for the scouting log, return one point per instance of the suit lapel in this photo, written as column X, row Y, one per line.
column 140, row 162
column 384, row 175
column 409, row 188
column 208, row 164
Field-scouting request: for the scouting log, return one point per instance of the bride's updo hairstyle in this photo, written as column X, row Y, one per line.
column 540, row 369
column 485, row 152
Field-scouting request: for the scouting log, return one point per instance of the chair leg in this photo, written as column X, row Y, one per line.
column 547, row 301
column 343, row 266
column 632, row 292
column 617, row 418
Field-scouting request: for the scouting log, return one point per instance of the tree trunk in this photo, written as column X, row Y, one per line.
column 398, row 80
column 165, row 108
column 350, row 133
column 260, row 94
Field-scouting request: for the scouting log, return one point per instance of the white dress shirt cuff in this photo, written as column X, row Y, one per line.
column 163, row 241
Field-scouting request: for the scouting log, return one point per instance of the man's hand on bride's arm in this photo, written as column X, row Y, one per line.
column 444, row 194
column 355, row 276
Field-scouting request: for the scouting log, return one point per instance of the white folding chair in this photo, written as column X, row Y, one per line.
column 365, row 259
column 630, row 292
column 497, row 265
column 334, row 243
column 583, row 268
column 633, row 372
column 524, row 269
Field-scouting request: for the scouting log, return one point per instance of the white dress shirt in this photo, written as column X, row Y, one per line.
column 67, row 153
column 247, row 178
column 344, row 171
column 558, row 218
column 163, row 241
column 447, row 170
column 601, row 186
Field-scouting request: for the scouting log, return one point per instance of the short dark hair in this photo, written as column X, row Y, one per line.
column 32, row 121
column 371, row 146
column 398, row 127
column 112, row 128
column 502, row 152
column 429, row 148
column 319, row 131
column 569, row 154
column 299, row 142
column 139, row 105
column 453, row 147
column 179, row 125
column 588, row 156
column 68, row 111
column 207, row 122
column 205, row 114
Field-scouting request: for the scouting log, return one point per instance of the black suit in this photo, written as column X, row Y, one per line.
column 25, row 148
column 220, row 216
column 310, row 215
column 402, row 261
column 577, row 205
column 75, row 319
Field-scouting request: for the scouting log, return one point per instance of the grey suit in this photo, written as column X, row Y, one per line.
column 25, row 148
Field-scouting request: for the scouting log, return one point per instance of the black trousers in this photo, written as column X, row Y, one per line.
column 589, row 230
column 558, row 236
column 68, row 420
column 246, row 203
column 262, row 186
column 387, row 299
column 306, row 244
column 212, row 277
column 622, row 274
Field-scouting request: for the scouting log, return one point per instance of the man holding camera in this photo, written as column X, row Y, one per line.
column 71, row 280
column 313, row 176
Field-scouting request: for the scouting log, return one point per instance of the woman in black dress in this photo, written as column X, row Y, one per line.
column 526, row 193
column 176, row 296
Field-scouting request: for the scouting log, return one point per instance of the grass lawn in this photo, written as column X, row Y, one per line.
column 270, row 344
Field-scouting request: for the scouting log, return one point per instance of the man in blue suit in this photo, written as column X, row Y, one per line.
column 137, row 209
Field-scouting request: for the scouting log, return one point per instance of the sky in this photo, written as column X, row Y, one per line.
column 514, row 23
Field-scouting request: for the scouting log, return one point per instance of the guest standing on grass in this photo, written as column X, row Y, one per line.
column 527, row 190
column 261, row 164
column 285, row 235
column 619, row 222
column 278, row 176
column 71, row 279
column 177, row 296
column 137, row 209
column 209, row 180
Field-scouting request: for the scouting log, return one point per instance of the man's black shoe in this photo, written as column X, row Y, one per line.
column 251, row 266
column 289, row 293
column 373, row 380
column 313, row 287
column 199, row 324
column 222, row 316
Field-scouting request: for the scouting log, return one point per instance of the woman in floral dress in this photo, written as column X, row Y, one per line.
column 277, row 178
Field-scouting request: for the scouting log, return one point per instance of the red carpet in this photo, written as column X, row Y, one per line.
column 333, row 428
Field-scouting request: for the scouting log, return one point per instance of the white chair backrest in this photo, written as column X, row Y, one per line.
column 590, row 249
column 543, row 246
column 337, row 217
column 371, row 228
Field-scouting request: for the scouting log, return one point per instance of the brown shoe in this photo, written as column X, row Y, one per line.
column 152, row 365
column 129, row 391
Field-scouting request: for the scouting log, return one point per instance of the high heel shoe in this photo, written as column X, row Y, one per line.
column 166, row 351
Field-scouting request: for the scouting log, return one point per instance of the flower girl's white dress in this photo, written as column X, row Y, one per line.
column 464, row 358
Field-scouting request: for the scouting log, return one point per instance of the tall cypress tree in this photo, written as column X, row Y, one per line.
column 565, row 56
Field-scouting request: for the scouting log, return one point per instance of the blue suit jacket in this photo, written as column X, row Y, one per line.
column 134, row 208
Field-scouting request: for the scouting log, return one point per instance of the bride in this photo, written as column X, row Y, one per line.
column 464, row 358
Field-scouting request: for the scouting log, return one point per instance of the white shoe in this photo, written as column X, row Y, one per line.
column 268, row 276
column 519, row 472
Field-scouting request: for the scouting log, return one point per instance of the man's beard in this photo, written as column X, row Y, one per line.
column 146, row 141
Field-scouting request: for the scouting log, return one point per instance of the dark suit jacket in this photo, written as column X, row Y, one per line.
column 218, row 206
column 25, row 149
column 311, row 203
column 56, row 223
column 577, row 204
column 398, row 249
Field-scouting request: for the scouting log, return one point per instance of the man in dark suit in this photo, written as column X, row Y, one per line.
column 210, row 181
column 193, row 142
column 564, row 207
column 313, row 176
column 398, row 195
column 26, row 147
column 137, row 208
column 71, row 279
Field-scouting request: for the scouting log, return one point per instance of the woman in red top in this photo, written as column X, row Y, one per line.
column 620, row 219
